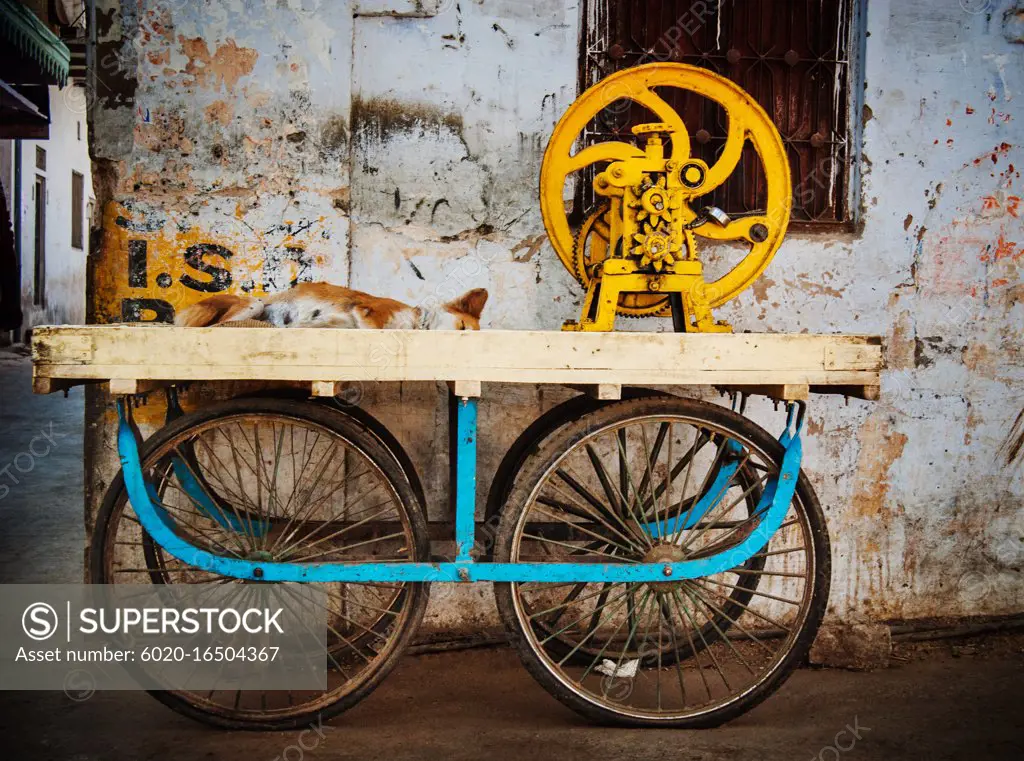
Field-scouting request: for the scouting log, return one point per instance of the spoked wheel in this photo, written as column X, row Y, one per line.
column 661, row 480
column 278, row 480
column 566, row 643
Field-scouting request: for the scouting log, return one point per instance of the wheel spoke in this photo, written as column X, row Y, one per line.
column 730, row 156
column 757, row 592
column 614, row 496
column 715, row 506
column 610, row 150
column 680, row 605
column 196, row 477
column 748, row 609
column 608, row 642
column 697, row 601
column 626, row 483
column 605, row 515
column 580, row 528
column 545, row 540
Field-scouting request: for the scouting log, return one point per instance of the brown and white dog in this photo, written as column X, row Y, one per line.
column 322, row 305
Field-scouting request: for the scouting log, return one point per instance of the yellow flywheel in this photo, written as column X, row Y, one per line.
column 642, row 203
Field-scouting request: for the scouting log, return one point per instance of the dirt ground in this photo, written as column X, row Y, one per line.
column 481, row 704
column 939, row 700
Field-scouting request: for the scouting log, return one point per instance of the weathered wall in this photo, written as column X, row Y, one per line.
column 264, row 142
column 66, row 151
column 224, row 150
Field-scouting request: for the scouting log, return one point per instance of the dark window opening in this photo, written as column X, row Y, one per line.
column 40, row 158
column 77, row 210
column 39, row 235
column 794, row 58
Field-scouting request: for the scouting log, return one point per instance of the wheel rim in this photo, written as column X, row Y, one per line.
column 665, row 651
column 288, row 489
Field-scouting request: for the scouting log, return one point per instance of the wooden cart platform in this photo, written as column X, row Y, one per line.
column 136, row 358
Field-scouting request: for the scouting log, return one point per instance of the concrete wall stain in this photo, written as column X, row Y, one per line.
column 880, row 448
column 222, row 68
column 376, row 119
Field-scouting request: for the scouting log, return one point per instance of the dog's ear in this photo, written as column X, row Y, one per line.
column 471, row 302
column 365, row 314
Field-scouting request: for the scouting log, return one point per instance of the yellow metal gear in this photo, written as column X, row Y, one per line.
column 655, row 247
column 591, row 248
column 624, row 166
column 654, row 203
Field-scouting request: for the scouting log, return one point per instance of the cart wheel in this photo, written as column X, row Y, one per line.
column 620, row 486
column 298, row 482
column 563, row 643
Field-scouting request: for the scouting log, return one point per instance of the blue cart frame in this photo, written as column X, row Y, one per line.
column 771, row 511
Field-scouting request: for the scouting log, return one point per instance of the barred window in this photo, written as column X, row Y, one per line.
column 794, row 58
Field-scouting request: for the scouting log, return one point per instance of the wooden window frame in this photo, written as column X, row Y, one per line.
column 849, row 170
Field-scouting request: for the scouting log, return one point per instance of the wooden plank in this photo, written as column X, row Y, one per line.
column 602, row 391
column 465, row 389
column 130, row 386
column 195, row 354
column 784, row 392
column 52, row 385
column 326, row 388
column 868, row 391
column 562, row 376
column 71, row 346
column 852, row 356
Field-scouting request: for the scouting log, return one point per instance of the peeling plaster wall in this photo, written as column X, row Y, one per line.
column 232, row 136
column 397, row 150
column 924, row 508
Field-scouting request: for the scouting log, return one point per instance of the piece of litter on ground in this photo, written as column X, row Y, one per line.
column 627, row 670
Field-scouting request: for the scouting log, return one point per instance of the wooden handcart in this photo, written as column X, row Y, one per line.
column 657, row 560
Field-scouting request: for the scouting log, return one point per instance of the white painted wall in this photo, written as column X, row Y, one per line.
column 449, row 117
column 66, row 151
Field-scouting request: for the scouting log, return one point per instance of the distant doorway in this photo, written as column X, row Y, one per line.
column 39, row 266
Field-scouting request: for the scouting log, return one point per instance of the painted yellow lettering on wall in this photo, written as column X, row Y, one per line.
column 153, row 263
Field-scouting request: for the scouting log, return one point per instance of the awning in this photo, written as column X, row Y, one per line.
column 39, row 56
column 24, row 112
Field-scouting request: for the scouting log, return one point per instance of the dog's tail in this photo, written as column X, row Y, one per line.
column 223, row 307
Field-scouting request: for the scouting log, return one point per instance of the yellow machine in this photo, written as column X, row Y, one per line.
column 637, row 253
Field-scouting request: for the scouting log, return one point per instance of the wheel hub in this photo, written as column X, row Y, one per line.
column 665, row 553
